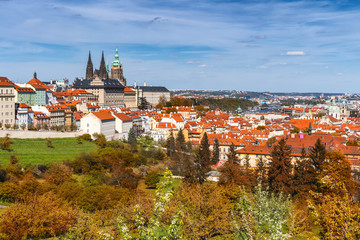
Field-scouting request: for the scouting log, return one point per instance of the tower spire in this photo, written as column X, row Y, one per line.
column 102, row 71
column 89, row 68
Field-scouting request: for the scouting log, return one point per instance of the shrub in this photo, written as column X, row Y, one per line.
column 49, row 143
column 40, row 217
column 58, row 173
column 152, row 179
column 86, row 137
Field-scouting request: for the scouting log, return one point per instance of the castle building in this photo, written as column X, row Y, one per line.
column 108, row 91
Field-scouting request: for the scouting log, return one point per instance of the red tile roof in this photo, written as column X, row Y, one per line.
column 37, row 84
column 104, row 115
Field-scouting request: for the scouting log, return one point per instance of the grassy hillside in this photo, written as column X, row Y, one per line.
column 35, row 151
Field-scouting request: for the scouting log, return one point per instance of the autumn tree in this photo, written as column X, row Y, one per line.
column 231, row 171
column 5, row 143
column 280, row 168
column 216, row 152
column 336, row 174
column 39, row 217
column 337, row 215
column 205, row 210
column 58, row 174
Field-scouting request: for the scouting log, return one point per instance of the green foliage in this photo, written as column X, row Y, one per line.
column 132, row 138
column 216, row 152
column 143, row 103
column 227, row 104
column 170, row 145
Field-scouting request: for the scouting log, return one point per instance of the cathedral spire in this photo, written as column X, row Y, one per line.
column 102, row 72
column 89, row 68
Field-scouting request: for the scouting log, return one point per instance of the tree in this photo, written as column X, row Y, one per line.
column 336, row 174
column 317, row 160
column 132, row 138
column 337, row 214
column 295, row 130
column 260, row 172
column 280, row 168
column 201, row 162
column 231, row 171
column 204, row 149
column 58, row 174
column 23, row 126
column 143, row 103
column 170, row 145
column 6, row 143
column 39, row 217
column 216, row 152
column 205, row 210
column 180, row 141
column 152, row 179
column 302, row 167
column 197, row 166
column 49, row 143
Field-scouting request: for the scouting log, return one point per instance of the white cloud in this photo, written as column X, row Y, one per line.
column 339, row 74
column 263, row 67
column 203, row 65
column 295, row 53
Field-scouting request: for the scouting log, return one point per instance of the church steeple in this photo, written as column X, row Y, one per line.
column 102, row 72
column 89, row 68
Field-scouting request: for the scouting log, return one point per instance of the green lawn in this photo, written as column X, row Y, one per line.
column 35, row 151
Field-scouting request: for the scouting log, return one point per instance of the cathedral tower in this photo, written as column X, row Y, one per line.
column 89, row 68
column 102, row 71
column 117, row 70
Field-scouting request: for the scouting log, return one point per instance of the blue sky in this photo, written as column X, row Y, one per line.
column 291, row 46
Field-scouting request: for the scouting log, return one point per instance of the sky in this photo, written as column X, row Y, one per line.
column 250, row 45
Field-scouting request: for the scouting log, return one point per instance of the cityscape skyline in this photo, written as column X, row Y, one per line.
column 276, row 46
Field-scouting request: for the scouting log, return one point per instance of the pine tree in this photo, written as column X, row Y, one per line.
column 280, row 168
column 302, row 168
column 196, row 170
column 170, row 145
column 216, row 152
column 143, row 104
column 180, row 141
column 132, row 138
column 316, row 165
column 204, row 149
column 317, row 156
column 260, row 171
